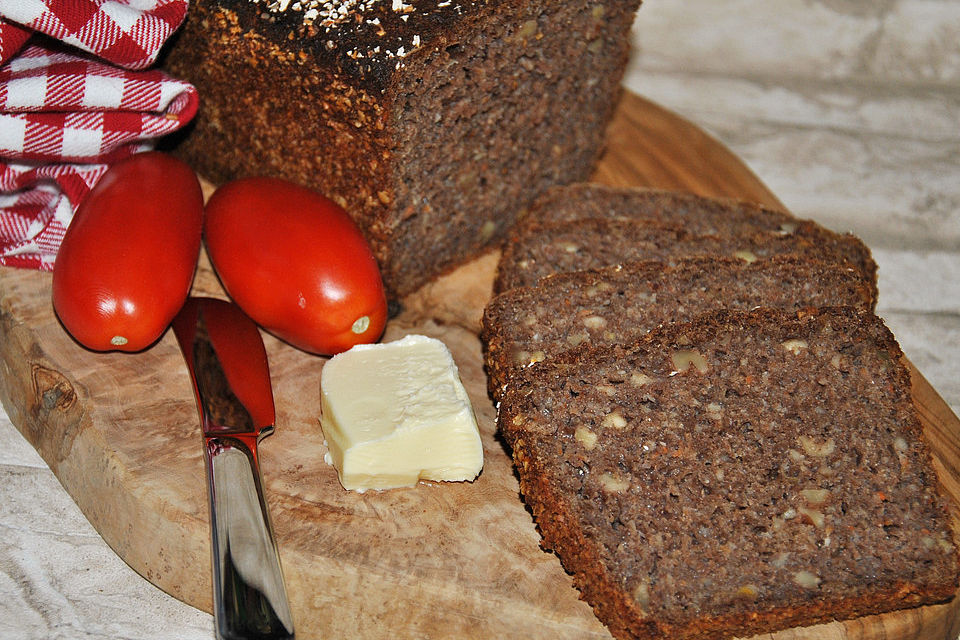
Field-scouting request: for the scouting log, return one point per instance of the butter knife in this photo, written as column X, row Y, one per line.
column 231, row 382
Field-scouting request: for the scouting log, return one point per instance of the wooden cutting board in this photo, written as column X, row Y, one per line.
column 438, row 561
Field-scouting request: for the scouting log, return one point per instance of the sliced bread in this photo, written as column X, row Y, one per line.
column 525, row 325
column 738, row 474
column 537, row 250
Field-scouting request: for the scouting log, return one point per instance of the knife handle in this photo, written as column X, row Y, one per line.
column 249, row 597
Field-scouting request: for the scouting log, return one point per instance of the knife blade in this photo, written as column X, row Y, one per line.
column 230, row 374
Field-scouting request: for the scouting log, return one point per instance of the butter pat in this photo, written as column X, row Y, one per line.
column 397, row 413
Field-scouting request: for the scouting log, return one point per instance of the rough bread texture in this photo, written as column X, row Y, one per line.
column 525, row 325
column 432, row 122
column 537, row 250
column 697, row 214
column 741, row 473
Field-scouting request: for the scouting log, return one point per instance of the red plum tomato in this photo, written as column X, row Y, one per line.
column 296, row 263
column 128, row 257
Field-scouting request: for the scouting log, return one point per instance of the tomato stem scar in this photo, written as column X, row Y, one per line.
column 118, row 341
column 361, row 324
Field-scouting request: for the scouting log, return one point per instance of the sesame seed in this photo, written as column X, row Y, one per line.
column 329, row 15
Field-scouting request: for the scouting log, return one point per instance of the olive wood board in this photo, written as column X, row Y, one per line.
column 456, row 560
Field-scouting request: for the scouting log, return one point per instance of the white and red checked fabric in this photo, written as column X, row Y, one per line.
column 66, row 115
column 128, row 33
column 36, row 206
column 56, row 106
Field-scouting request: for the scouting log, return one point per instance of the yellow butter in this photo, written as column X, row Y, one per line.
column 397, row 413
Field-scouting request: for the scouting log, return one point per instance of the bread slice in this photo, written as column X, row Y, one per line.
column 618, row 304
column 538, row 250
column 585, row 226
column 737, row 474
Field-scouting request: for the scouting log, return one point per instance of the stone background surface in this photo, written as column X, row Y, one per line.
column 848, row 110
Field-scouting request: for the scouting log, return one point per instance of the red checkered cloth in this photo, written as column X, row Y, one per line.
column 128, row 33
column 66, row 115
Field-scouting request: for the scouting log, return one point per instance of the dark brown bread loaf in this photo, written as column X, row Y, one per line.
column 536, row 250
column 432, row 122
column 618, row 304
column 696, row 214
column 742, row 473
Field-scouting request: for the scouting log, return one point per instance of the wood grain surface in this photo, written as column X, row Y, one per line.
column 438, row 561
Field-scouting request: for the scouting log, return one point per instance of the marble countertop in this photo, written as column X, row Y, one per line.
column 849, row 112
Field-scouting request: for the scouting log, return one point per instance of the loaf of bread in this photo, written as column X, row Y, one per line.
column 618, row 304
column 539, row 249
column 432, row 122
column 741, row 473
